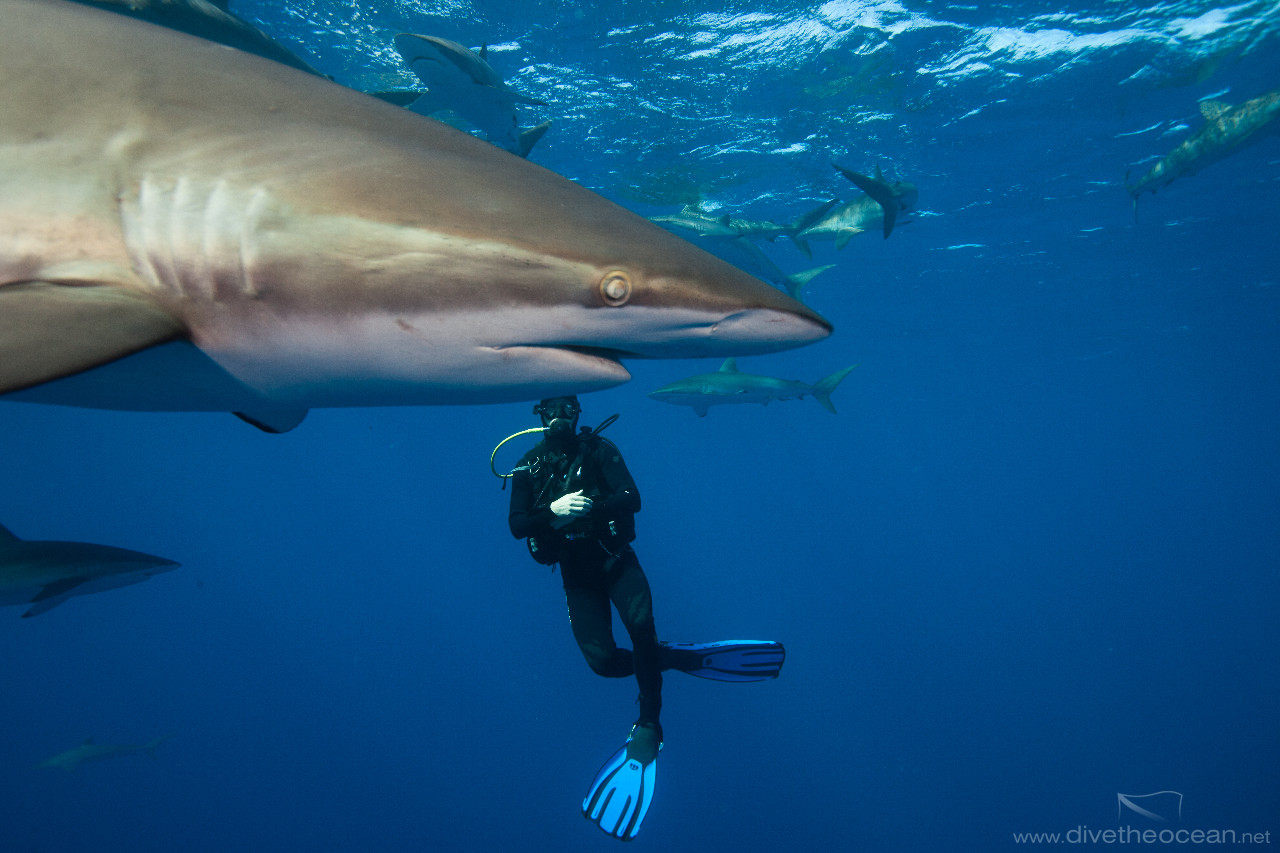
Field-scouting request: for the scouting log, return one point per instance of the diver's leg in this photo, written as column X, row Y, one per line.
column 630, row 593
column 592, row 621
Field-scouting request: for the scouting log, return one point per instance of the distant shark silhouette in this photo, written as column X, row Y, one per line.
column 90, row 751
column 1226, row 130
column 45, row 574
column 730, row 385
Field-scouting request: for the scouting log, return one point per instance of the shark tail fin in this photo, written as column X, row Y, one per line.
column 878, row 190
column 6, row 535
column 798, row 281
column 802, row 245
column 805, row 220
column 801, row 223
column 530, row 137
column 823, row 387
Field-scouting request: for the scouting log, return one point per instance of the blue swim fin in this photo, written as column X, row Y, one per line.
column 623, row 789
column 727, row 660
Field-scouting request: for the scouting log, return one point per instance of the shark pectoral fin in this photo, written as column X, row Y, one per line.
column 51, row 596
column 57, row 588
column 272, row 419
column 843, row 237
column 48, row 331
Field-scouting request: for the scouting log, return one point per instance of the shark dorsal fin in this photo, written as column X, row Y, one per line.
column 1213, row 110
column 730, row 366
column 7, row 536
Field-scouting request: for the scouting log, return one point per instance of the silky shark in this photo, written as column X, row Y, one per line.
column 880, row 207
column 186, row 227
column 695, row 219
column 45, row 574
column 1226, row 130
column 730, row 385
column 89, row 751
column 462, row 80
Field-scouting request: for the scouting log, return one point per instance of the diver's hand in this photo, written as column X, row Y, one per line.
column 572, row 504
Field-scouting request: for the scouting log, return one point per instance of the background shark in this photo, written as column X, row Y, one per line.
column 45, row 574
column 1226, row 130
column 205, row 230
column 880, row 207
column 695, row 219
column 90, row 751
column 730, row 385
column 462, row 80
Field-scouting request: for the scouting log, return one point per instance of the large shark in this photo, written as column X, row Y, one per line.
column 880, row 207
column 1226, row 130
column 89, row 751
column 45, row 574
column 730, row 385
column 187, row 227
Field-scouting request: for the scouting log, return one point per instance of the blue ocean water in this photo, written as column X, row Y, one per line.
column 1029, row 566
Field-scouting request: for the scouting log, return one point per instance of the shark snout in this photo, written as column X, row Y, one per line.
column 771, row 328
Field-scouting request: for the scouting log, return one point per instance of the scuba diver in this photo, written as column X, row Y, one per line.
column 574, row 500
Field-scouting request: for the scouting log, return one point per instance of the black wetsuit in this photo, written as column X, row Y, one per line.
column 597, row 563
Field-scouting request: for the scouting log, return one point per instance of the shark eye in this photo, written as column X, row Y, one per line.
column 615, row 288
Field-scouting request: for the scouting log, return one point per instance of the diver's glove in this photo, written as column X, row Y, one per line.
column 572, row 504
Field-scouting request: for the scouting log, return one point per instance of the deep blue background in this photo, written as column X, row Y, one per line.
column 1031, row 563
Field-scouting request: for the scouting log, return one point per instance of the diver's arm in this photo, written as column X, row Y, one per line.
column 619, row 495
column 524, row 518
